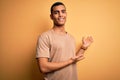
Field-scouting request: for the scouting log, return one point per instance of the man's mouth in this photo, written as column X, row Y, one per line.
column 61, row 19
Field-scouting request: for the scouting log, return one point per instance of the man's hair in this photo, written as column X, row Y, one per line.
column 56, row 4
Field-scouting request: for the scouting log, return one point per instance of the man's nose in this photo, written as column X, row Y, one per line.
column 60, row 14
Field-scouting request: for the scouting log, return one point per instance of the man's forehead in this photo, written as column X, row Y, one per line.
column 59, row 7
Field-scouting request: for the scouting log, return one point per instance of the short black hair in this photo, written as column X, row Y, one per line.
column 56, row 4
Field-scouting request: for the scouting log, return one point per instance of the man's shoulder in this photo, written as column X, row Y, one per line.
column 46, row 33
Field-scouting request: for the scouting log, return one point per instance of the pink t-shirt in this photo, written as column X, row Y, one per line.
column 57, row 48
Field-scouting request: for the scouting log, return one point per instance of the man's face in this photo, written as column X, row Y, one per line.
column 59, row 15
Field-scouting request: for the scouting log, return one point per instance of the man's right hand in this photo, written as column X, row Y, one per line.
column 78, row 58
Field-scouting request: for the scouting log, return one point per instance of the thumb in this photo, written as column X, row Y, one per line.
column 81, row 58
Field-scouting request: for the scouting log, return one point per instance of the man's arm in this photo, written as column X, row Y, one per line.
column 86, row 42
column 46, row 66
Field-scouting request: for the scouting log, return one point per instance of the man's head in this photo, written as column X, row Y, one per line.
column 58, row 14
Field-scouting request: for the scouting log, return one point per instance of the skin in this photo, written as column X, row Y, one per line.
column 58, row 16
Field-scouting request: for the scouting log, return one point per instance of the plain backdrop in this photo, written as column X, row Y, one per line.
column 22, row 21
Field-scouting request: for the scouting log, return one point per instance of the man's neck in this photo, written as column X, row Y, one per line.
column 59, row 29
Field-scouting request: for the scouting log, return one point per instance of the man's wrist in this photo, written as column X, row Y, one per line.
column 84, row 48
column 71, row 60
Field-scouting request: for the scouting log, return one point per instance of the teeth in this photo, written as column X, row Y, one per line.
column 61, row 19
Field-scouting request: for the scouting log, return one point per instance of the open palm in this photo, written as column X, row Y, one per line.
column 86, row 41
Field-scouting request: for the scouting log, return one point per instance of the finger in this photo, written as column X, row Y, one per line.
column 83, row 38
column 75, row 57
column 91, row 38
column 81, row 58
column 80, row 55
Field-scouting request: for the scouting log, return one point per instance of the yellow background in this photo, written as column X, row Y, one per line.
column 21, row 21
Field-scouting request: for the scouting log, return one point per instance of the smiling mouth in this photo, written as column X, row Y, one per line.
column 61, row 19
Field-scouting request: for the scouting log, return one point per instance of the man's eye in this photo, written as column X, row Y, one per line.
column 55, row 12
column 63, row 11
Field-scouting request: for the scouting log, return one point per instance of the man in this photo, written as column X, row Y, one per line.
column 56, row 54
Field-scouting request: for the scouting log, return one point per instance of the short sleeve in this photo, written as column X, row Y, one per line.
column 43, row 46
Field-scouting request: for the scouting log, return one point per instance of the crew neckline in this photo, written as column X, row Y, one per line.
column 58, row 33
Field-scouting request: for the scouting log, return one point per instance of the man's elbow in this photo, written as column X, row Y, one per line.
column 43, row 69
column 43, row 65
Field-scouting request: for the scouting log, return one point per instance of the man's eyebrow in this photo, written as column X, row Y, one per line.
column 56, row 11
column 64, row 10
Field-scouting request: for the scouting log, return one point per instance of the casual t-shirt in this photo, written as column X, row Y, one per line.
column 57, row 48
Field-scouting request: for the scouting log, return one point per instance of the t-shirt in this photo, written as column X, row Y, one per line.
column 57, row 48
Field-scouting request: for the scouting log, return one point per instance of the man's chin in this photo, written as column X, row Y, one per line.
column 59, row 25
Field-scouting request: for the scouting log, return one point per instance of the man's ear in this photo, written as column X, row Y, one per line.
column 51, row 16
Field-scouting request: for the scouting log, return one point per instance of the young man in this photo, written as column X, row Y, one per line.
column 56, row 54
